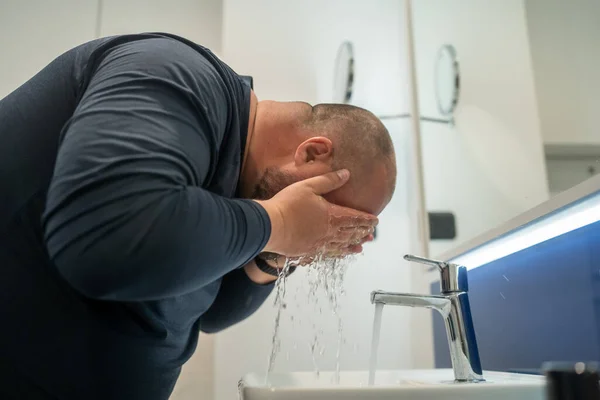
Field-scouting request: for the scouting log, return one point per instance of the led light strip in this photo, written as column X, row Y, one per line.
column 565, row 220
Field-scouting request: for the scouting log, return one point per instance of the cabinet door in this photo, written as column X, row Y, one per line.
column 33, row 33
column 196, row 20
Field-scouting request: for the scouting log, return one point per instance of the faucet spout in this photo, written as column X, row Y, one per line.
column 439, row 303
column 456, row 311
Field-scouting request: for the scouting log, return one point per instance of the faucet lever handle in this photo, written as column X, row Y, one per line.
column 453, row 277
column 434, row 263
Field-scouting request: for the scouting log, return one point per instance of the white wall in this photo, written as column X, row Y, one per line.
column 197, row 20
column 490, row 167
column 290, row 48
column 34, row 32
column 565, row 46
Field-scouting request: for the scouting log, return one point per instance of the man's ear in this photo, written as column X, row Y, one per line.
column 315, row 149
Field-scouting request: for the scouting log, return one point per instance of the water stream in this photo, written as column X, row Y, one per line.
column 375, row 342
column 325, row 276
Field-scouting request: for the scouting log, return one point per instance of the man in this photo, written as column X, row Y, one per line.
column 141, row 184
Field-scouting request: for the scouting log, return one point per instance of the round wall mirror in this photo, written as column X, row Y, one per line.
column 447, row 80
column 344, row 74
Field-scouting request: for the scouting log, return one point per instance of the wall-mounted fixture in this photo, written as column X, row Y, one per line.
column 447, row 86
column 344, row 74
column 447, row 81
column 442, row 225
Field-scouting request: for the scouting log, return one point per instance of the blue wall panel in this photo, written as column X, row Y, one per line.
column 540, row 304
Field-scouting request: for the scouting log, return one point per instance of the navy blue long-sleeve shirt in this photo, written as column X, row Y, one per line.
column 120, row 233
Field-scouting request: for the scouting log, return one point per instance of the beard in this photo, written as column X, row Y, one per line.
column 272, row 182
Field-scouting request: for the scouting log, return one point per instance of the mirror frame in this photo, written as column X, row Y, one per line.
column 348, row 89
column 450, row 52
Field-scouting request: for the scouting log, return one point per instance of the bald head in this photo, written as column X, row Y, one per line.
column 293, row 141
column 357, row 130
column 362, row 144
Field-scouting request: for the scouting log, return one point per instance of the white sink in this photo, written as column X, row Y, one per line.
column 390, row 385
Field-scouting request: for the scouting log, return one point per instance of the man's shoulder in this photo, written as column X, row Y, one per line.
column 170, row 57
column 147, row 50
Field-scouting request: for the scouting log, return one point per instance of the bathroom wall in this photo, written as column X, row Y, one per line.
column 34, row 32
column 197, row 20
column 490, row 166
column 289, row 48
column 564, row 46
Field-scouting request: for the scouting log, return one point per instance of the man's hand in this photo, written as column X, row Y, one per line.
column 303, row 222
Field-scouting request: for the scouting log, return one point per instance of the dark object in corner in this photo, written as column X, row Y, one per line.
column 442, row 225
column 572, row 381
column 248, row 80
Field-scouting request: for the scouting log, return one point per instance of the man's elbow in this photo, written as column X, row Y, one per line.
column 80, row 276
column 209, row 330
column 211, row 323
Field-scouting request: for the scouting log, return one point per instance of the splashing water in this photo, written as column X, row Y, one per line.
column 328, row 274
column 324, row 275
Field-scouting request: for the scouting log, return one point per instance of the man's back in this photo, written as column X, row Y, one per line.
column 74, row 326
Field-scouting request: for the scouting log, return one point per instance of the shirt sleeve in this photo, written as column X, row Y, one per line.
column 238, row 298
column 126, row 215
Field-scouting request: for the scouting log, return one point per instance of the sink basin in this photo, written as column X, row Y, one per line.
column 391, row 385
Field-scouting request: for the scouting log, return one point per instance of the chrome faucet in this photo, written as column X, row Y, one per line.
column 453, row 304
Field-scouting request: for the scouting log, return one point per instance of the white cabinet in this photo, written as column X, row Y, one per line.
column 196, row 20
column 33, row 33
